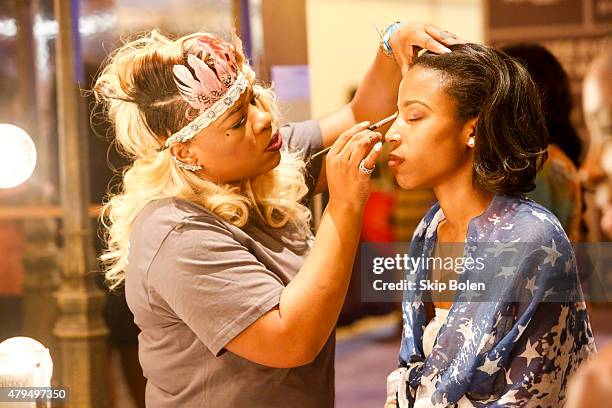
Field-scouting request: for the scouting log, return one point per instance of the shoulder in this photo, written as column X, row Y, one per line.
column 302, row 136
column 558, row 170
column 310, row 126
column 168, row 213
column 528, row 220
column 178, row 223
column 559, row 161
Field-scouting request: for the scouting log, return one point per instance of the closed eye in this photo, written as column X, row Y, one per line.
column 242, row 120
column 240, row 123
column 414, row 115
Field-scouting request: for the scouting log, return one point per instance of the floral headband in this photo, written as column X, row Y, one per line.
column 218, row 83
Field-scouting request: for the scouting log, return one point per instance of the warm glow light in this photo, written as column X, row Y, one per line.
column 24, row 362
column 17, row 156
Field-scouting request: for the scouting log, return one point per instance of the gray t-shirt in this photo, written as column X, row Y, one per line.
column 194, row 282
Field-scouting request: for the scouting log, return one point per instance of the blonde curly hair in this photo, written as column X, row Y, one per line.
column 139, row 97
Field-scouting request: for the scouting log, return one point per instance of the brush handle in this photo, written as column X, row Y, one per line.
column 320, row 153
column 371, row 127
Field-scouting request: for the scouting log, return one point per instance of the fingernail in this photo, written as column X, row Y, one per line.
column 378, row 146
column 366, row 123
column 446, row 50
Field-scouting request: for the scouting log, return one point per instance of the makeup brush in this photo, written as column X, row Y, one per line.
column 371, row 127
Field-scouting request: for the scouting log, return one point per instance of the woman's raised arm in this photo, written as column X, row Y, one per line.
column 376, row 96
column 294, row 333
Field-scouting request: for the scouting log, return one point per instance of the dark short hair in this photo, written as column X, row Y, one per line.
column 554, row 86
column 511, row 134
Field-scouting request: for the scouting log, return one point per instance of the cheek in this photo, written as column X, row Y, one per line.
column 253, row 164
column 431, row 152
column 431, row 140
column 222, row 159
column 218, row 153
column 405, row 179
column 240, row 161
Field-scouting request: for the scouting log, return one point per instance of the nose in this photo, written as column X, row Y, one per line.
column 262, row 120
column 393, row 134
column 392, row 137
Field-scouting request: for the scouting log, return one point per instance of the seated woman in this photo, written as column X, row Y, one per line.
column 477, row 112
column 210, row 232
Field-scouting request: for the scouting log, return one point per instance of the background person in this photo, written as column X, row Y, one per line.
column 557, row 185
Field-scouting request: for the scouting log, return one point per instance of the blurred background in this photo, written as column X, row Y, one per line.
column 315, row 53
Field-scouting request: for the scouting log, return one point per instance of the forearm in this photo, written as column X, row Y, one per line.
column 294, row 332
column 375, row 99
column 310, row 304
column 376, row 96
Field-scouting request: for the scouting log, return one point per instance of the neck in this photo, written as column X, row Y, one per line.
column 460, row 200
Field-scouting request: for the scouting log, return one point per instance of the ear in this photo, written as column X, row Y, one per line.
column 184, row 154
column 468, row 133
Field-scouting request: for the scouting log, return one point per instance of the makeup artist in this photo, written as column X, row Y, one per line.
column 209, row 230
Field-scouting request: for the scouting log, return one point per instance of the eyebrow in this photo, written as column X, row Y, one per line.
column 405, row 104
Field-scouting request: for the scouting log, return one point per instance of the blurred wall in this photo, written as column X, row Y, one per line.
column 342, row 41
column 285, row 56
column 573, row 30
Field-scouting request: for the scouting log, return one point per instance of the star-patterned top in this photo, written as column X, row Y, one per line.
column 518, row 346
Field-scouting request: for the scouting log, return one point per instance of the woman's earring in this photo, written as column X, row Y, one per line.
column 185, row 166
column 471, row 141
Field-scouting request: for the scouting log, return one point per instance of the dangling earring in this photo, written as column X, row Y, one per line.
column 471, row 141
column 185, row 166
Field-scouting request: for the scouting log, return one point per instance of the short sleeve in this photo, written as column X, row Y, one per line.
column 211, row 281
column 307, row 138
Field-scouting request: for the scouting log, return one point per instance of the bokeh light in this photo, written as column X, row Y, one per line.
column 17, row 156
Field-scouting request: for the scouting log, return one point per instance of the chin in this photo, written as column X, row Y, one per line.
column 276, row 159
column 270, row 164
column 407, row 182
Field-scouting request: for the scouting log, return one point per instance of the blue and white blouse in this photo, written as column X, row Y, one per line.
column 519, row 343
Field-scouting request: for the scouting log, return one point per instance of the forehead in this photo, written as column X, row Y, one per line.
column 424, row 84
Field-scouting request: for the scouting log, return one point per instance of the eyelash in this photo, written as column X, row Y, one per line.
column 413, row 117
column 240, row 123
column 243, row 119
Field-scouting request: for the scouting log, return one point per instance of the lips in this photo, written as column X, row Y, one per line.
column 275, row 142
column 394, row 161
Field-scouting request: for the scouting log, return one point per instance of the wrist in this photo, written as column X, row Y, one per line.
column 388, row 64
column 346, row 206
column 385, row 43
